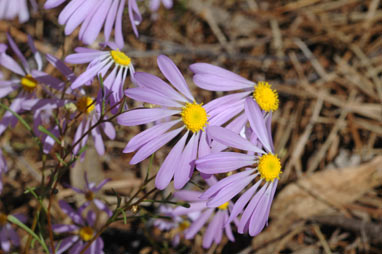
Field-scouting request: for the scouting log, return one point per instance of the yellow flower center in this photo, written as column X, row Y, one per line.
column 267, row 98
column 194, row 116
column 223, row 206
column 269, row 167
column 120, row 57
column 89, row 196
column 183, row 225
column 29, row 83
column 86, row 233
column 85, row 104
column 3, row 219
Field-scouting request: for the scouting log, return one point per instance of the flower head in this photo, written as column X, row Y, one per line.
column 176, row 110
column 81, row 231
column 25, row 82
column 90, row 110
column 262, row 166
column 200, row 214
column 113, row 66
column 214, row 78
column 90, row 192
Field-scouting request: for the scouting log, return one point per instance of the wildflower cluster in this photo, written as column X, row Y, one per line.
column 206, row 136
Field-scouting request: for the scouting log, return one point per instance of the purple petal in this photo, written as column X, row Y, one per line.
column 224, row 182
column 221, row 102
column 75, row 216
column 109, row 130
column 63, row 228
column 216, row 83
column 250, row 208
column 93, row 29
column 145, row 115
column 97, row 137
column 153, row 82
column 256, row 120
column 198, row 224
column 212, row 230
column 8, row 62
column 66, row 243
column 186, row 163
column 85, row 57
column 194, row 207
column 229, row 191
column 170, row 164
column 223, row 162
column 101, row 184
column 205, row 68
column 228, row 229
column 61, row 66
column 150, row 96
column 118, row 25
column 134, row 15
column 91, row 218
column 242, row 201
column 148, row 135
column 172, row 73
column 187, row 195
column 110, row 19
column 232, row 139
column 204, row 148
column 259, row 215
column 18, row 53
column 152, row 146
column 102, row 206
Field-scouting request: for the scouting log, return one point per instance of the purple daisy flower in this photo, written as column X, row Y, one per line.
column 255, row 215
column 100, row 63
column 200, row 213
column 26, row 99
column 3, row 169
column 82, row 231
column 95, row 15
column 175, row 108
column 91, row 113
column 176, row 225
column 10, row 9
column 90, row 193
column 8, row 235
column 166, row 224
column 214, row 78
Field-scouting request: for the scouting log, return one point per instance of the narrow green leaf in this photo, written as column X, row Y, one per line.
column 44, row 130
column 18, row 117
column 17, row 222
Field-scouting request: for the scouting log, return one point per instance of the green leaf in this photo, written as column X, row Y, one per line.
column 18, row 117
column 17, row 222
column 44, row 130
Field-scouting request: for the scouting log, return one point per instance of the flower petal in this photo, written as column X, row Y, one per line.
column 223, row 162
column 256, row 120
column 172, row 73
column 167, row 169
column 232, row 139
column 150, row 96
column 152, row 146
column 144, row 115
column 198, row 224
column 186, row 163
